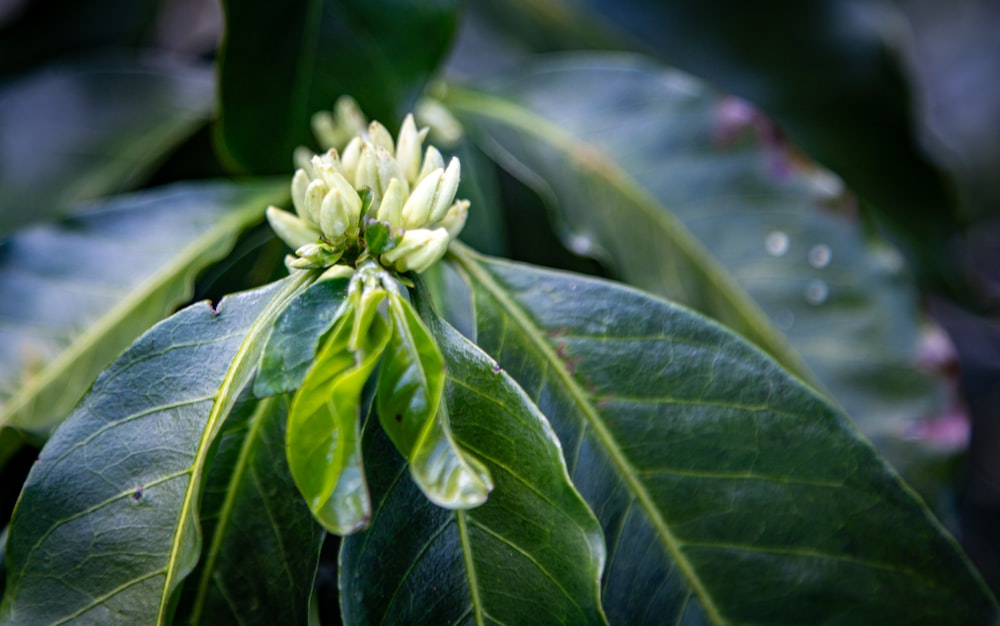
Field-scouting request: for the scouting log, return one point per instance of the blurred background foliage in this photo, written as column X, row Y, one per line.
column 881, row 118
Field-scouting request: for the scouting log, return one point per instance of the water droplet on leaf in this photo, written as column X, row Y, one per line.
column 820, row 255
column 817, row 292
column 776, row 243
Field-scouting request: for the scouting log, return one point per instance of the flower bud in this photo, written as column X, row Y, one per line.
column 454, row 220
column 327, row 170
column 417, row 208
column 336, row 217
column 367, row 171
column 349, row 115
column 300, row 182
column 352, row 153
column 408, row 148
column 445, row 193
column 316, row 255
column 432, row 161
column 325, row 129
column 391, row 208
column 447, row 130
column 337, row 271
column 417, row 250
column 315, row 193
column 302, row 157
column 381, row 137
column 292, row 230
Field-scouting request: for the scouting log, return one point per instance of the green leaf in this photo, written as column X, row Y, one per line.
column 107, row 524
column 381, row 52
column 324, row 427
column 74, row 294
column 646, row 168
column 532, row 554
column 78, row 130
column 410, row 384
column 297, row 335
column 262, row 544
column 378, row 237
column 728, row 491
column 831, row 73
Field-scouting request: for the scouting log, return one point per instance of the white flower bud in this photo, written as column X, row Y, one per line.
column 454, row 220
column 337, row 271
column 352, row 153
column 381, row 137
column 349, row 115
column 388, row 169
column 336, row 217
column 446, row 191
column 391, row 208
column 315, row 193
column 417, row 208
column 367, row 171
column 290, row 229
column 325, row 128
column 432, row 161
column 408, row 148
column 300, row 182
column 302, row 157
column 447, row 130
column 417, row 250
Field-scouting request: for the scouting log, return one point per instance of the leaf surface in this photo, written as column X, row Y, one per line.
column 380, row 52
column 685, row 194
column 75, row 293
column 262, row 544
column 75, row 131
column 729, row 493
column 532, row 554
column 107, row 524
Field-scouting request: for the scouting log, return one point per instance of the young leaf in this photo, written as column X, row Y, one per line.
column 297, row 336
column 107, row 524
column 262, row 544
column 324, row 423
column 410, row 384
column 687, row 195
column 532, row 554
column 728, row 491
column 74, row 294
column 79, row 130
column 380, row 51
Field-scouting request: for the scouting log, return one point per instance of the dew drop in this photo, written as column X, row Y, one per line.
column 784, row 319
column 816, row 292
column 820, row 255
column 776, row 243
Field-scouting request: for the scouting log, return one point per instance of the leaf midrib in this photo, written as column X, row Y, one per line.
column 464, row 257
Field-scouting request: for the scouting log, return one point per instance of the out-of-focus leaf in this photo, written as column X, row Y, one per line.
column 107, row 524
column 74, row 294
column 297, row 336
column 531, row 555
column 78, row 130
column 261, row 542
column 312, row 51
column 728, row 491
column 324, row 426
column 686, row 194
column 828, row 72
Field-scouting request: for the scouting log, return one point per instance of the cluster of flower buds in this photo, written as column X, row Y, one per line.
column 378, row 198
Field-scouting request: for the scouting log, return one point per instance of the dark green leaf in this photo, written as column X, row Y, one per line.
column 411, row 380
column 729, row 492
column 297, row 335
column 829, row 72
column 262, row 544
column 79, row 130
column 686, row 194
column 324, row 426
column 381, row 52
column 107, row 525
column 378, row 237
column 74, row 294
column 531, row 555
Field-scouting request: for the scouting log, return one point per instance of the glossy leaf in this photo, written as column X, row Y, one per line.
column 75, row 131
column 532, row 554
column 324, row 427
column 831, row 73
column 107, row 524
column 297, row 336
column 75, row 293
column 728, row 491
column 261, row 542
column 411, row 380
column 686, row 195
column 313, row 51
